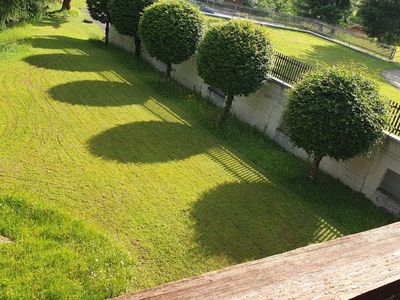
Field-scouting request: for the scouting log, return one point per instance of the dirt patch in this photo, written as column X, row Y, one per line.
column 393, row 77
column 4, row 240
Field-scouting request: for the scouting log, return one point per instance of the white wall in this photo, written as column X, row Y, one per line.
column 264, row 110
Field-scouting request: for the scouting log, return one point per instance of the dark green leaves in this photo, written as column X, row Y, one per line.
column 235, row 57
column 171, row 30
column 336, row 112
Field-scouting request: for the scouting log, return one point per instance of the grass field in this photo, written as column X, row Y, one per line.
column 100, row 137
column 314, row 51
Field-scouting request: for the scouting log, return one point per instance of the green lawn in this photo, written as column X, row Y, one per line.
column 313, row 50
column 100, row 137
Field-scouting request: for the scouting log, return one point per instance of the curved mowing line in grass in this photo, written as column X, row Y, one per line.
column 55, row 257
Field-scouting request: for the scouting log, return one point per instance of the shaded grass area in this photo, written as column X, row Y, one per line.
column 52, row 256
column 100, row 136
column 314, row 51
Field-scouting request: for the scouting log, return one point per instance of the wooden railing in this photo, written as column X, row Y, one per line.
column 394, row 121
column 288, row 69
column 362, row 266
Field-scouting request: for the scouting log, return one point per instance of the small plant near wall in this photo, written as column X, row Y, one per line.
column 335, row 112
column 171, row 31
column 236, row 57
column 125, row 16
column 99, row 10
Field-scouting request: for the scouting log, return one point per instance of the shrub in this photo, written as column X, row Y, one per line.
column 125, row 15
column 335, row 112
column 18, row 10
column 381, row 19
column 99, row 10
column 236, row 57
column 171, row 31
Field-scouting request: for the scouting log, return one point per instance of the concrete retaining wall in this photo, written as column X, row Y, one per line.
column 264, row 110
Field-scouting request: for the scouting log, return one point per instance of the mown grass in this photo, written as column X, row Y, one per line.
column 101, row 137
column 316, row 51
column 52, row 256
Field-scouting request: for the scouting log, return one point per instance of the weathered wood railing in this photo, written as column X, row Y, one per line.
column 363, row 266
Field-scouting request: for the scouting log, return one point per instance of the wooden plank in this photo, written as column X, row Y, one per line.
column 340, row 269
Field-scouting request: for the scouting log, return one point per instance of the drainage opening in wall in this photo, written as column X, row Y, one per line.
column 390, row 185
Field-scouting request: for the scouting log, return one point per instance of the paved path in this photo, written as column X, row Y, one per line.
column 393, row 77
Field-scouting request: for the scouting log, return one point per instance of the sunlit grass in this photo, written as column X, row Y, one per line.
column 100, row 136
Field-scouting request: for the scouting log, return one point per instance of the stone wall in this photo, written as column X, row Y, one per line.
column 264, row 110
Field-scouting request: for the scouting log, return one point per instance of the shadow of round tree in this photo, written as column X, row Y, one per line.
column 68, row 62
column 149, row 142
column 98, row 93
column 247, row 221
column 65, row 42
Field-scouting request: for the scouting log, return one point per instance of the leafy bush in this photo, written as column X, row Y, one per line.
column 17, row 10
column 381, row 19
column 99, row 10
column 171, row 31
column 236, row 57
column 125, row 16
column 54, row 257
column 335, row 112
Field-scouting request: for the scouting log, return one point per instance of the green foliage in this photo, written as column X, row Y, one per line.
column 275, row 5
column 335, row 112
column 99, row 10
column 17, row 10
column 53, row 256
column 126, row 14
column 235, row 56
column 381, row 19
column 171, row 30
column 331, row 11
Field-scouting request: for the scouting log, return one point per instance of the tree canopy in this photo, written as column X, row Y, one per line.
column 335, row 112
column 171, row 31
column 100, row 11
column 236, row 57
column 330, row 11
column 126, row 15
column 381, row 19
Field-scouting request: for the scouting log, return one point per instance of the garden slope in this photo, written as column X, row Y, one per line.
column 99, row 135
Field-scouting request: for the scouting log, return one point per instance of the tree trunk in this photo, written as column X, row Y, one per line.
column 107, row 39
column 169, row 70
column 225, row 114
column 66, row 5
column 138, row 47
column 315, row 167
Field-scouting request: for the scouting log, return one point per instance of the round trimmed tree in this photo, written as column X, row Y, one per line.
column 99, row 11
column 335, row 112
column 236, row 57
column 125, row 15
column 171, row 31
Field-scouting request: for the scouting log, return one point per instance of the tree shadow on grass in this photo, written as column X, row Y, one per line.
column 65, row 42
column 67, row 62
column 98, row 93
column 247, row 221
column 149, row 142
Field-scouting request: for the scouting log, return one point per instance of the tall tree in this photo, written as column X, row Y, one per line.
column 125, row 15
column 236, row 57
column 381, row 19
column 99, row 10
column 171, row 31
column 335, row 112
column 330, row 11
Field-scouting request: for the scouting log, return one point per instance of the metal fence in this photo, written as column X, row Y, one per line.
column 352, row 38
column 291, row 70
column 394, row 121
